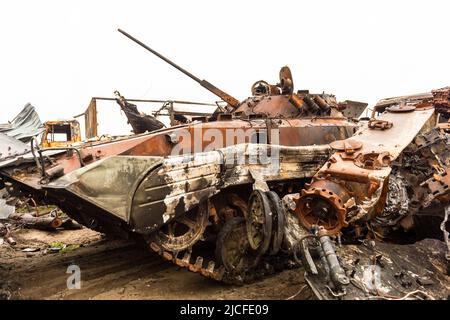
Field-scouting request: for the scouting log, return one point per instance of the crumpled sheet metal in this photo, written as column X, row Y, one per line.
column 14, row 152
column 11, row 148
column 25, row 125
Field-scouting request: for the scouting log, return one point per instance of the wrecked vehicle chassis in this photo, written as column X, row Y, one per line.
column 212, row 190
column 282, row 178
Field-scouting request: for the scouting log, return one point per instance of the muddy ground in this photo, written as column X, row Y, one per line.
column 117, row 269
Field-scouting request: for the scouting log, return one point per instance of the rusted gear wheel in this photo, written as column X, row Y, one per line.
column 259, row 221
column 232, row 247
column 184, row 231
column 321, row 207
column 278, row 222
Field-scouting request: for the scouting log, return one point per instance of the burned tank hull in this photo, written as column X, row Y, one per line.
column 275, row 180
column 143, row 195
column 219, row 186
column 138, row 185
column 149, row 185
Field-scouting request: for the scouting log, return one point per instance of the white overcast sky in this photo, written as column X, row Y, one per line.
column 57, row 54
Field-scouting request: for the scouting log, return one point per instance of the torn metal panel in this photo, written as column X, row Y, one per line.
column 11, row 148
column 405, row 127
column 140, row 122
column 353, row 109
column 423, row 99
column 25, row 125
column 10, row 164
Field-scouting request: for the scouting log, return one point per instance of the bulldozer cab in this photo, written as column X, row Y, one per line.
column 60, row 133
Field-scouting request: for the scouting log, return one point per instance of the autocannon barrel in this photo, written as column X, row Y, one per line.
column 205, row 84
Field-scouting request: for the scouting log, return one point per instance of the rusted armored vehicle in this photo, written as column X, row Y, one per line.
column 282, row 177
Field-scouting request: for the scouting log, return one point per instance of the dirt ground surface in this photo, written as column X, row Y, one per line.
column 118, row 269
